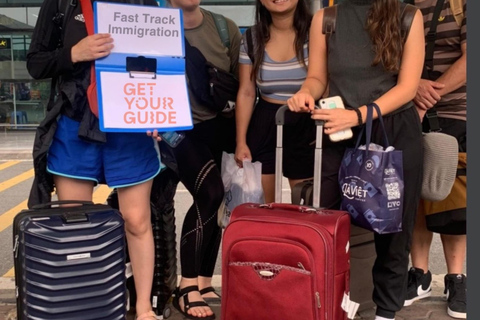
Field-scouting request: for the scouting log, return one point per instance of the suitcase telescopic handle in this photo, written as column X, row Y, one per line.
column 74, row 217
column 61, row 202
column 317, row 174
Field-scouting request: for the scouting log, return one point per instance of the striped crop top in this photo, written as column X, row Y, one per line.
column 277, row 80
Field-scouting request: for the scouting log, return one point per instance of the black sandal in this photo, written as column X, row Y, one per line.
column 183, row 293
column 207, row 290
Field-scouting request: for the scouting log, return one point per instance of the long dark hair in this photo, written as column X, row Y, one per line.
column 383, row 26
column 263, row 19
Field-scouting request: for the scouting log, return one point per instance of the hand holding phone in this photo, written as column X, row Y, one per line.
column 334, row 103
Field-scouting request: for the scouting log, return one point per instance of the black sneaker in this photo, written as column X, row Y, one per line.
column 456, row 291
column 419, row 285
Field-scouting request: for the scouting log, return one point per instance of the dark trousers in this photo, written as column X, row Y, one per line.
column 390, row 271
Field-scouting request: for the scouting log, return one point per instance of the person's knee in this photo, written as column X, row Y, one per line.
column 137, row 226
column 211, row 194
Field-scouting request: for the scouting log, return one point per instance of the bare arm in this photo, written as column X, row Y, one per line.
column 404, row 91
column 456, row 75
column 410, row 70
column 316, row 82
column 243, row 111
column 430, row 92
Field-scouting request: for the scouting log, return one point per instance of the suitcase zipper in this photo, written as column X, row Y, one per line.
column 317, row 294
column 326, row 240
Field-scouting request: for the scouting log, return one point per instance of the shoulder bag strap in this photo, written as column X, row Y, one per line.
column 87, row 12
column 432, row 34
column 431, row 118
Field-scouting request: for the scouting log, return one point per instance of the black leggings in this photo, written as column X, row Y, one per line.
column 197, row 158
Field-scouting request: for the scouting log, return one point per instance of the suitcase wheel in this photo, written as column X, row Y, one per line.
column 167, row 312
column 128, row 300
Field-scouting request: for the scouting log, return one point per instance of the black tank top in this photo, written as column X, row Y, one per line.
column 350, row 57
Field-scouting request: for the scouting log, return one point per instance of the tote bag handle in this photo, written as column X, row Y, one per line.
column 369, row 125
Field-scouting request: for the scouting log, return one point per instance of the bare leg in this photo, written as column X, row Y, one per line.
column 134, row 203
column 454, row 248
column 204, row 282
column 268, row 184
column 421, row 241
column 73, row 189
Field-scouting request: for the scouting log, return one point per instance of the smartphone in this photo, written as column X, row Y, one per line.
column 333, row 103
column 172, row 138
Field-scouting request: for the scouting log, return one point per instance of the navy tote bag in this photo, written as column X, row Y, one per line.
column 371, row 182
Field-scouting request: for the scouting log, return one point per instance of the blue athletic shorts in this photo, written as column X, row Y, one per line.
column 126, row 159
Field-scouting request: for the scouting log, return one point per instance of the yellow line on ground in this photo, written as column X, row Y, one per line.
column 6, row 219
column 16, row 180
column 8, row 164
column 99, row 196
column 10, row 273
column 101, row 193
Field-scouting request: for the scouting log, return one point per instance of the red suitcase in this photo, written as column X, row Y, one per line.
column 284, row 261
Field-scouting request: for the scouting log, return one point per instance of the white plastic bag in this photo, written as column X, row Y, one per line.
column 242, row 185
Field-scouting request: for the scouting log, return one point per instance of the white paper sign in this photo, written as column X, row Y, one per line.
column 141, row 29
column 143, row 103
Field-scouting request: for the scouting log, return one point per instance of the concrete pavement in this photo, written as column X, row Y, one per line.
column 433, row 308
column 18, row 145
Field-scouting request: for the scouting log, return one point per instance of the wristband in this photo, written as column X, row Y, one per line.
column 359, row 116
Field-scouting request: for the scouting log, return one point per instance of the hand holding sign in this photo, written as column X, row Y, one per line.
column 141, row 30
column 142, row 84
column 92, row 47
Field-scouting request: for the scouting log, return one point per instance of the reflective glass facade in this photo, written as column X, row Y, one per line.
column 22, row 100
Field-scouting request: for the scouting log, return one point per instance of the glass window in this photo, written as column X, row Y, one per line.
column 20, row 3
column 23, row 103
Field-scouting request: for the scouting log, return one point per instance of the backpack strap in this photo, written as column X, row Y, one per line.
column 64, row 11
column 249, row 37
column 406, row 19
column 456, row 6
column 222, row 28
column 329, row 21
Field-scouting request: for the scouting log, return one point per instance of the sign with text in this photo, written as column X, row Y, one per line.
column 141, row 83
column 141, row 103
column 141, row 29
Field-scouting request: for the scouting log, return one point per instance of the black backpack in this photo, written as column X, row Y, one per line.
column 212, row 86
